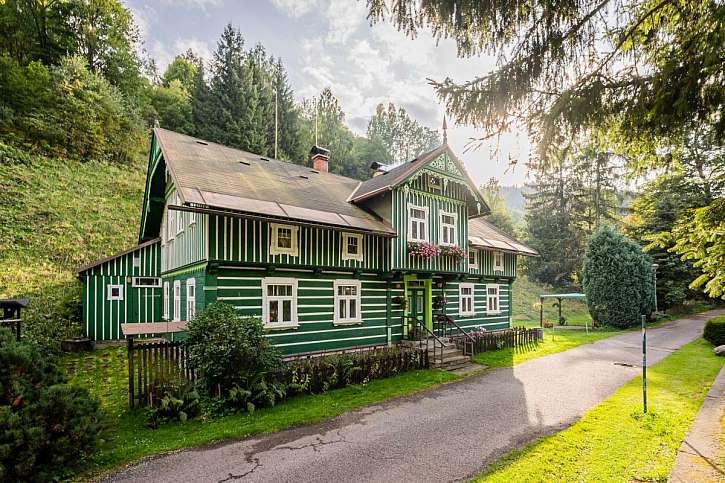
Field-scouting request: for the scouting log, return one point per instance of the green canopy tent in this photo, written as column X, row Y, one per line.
column 559, row 297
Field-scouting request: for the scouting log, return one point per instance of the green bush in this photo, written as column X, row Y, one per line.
column 227, row 350
column 53, row 315
column 47, row 427
column 714, row 331
column 320, row 374
column 174, row 398
column 618, row 279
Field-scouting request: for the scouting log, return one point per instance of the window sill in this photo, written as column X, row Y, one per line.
column 498, row 312
column 467, row 314
column 347, row 322
column 281, row 327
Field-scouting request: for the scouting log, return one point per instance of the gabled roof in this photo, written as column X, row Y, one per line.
column 482, row 234
column 399, row 174
column 85, row 268
column 210, row 175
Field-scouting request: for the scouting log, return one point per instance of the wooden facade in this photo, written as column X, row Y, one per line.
column 317, row 286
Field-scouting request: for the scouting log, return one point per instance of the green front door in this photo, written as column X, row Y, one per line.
column 416, row 303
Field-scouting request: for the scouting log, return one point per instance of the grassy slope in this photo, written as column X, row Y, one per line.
column 60, row 214
column 103, row 373
column 526, row 310
column 614, row 441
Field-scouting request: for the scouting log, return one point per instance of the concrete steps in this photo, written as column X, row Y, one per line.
column 449, row 359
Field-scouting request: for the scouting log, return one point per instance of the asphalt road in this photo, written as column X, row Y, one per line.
column 449, row 433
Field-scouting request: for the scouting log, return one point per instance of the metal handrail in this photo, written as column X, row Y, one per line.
column 420, row 323
column 471, row 340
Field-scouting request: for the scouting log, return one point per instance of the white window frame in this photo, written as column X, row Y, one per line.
column 490, row 297
column 167, row 301
column 352, row 256
column 443, row 227
column 466, row 307
column 475, row 258
column 190, row 298
column 419, row 221
column 192, row 217
column 275, row 249
column 177, row 301
column 498, row 256
column 109, row 291
column 357, row 298
column 136, row 282
column 294, row 323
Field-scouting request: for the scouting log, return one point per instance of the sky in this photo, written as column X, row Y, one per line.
column 330, row 43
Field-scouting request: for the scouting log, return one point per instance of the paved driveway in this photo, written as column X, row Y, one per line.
column 444, row 434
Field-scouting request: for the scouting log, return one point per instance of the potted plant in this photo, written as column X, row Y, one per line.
column 455, row 252
column 423, row 250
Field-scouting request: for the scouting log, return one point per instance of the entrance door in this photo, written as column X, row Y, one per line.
column 416, row 303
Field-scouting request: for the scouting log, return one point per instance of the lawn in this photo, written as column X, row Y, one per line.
column 614, row 441
column 127, row 438
column 555, row 340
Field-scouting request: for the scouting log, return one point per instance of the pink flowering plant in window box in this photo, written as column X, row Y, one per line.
column 423, row 250
column 453, row 251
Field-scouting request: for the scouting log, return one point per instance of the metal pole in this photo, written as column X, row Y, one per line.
column 644, row 364
column 275, row 124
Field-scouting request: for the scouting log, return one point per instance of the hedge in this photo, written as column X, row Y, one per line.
column 715, row 330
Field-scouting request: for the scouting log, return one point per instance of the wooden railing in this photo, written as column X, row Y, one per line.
column 417, row 331
column 151, row 364
column 502, row 339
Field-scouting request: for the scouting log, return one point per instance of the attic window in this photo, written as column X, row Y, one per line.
column 203, row 143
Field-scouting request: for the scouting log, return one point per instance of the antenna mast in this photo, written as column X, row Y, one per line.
column 276, row 124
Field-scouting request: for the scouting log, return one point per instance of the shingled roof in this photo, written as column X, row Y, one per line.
column 210, row 175
column 482, row 234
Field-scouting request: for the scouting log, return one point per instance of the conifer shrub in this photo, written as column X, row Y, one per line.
column 47, row 427
column 714, row 331
column 618, row 279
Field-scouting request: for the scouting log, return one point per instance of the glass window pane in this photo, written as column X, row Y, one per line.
column 286, row 311
column 353, row 308
column 273, row 311
column 343, row 312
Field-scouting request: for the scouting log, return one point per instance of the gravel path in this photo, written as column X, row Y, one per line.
column 447, row 433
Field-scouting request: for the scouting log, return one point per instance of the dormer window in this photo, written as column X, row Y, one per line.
column 448, row 223
column 283, row 240
column 472, row 259
column 352, row 246
column 417, row 223
column 498, row 261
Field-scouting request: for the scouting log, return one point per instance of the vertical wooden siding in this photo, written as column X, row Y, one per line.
column 240, row 240
column 102, row 318
column 485, row 264
column 187, row 247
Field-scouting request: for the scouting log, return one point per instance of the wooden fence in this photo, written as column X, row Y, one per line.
column 504, row 339
column 151, row 364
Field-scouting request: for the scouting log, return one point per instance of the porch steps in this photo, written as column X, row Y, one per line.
column 451, row 359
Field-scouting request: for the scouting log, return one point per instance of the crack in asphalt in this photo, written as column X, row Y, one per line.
column 232, row 476
column 316, row 446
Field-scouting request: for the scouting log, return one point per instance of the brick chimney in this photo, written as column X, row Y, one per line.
column 320, row 158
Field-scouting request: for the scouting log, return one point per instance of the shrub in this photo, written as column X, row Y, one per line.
column 53, row 315
column 227, row 350
column 174, row 398
column 46, row 426
column 714, row 331
column 618, row 279
column 321, row 374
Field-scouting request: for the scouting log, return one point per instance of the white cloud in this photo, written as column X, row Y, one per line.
column 192, row 4
column 295, row 8
column 163, row 54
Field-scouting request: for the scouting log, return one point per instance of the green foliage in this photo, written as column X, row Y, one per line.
column 67, row 110
column 699, row 237
column 651, row 68
column 402, row 136
column 228, row 350
column 47, row 426
column 258, row 392
column 500, row 215
column 172, row 399
column 321, row 374
column 618, row 279
column 714, row 331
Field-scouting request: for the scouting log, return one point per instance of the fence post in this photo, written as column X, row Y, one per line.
column 129, row 343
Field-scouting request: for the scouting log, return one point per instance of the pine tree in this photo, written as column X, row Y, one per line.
column 288, row 117
column 402, row 136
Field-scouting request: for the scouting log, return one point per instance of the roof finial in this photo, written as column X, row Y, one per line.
column 445, row 128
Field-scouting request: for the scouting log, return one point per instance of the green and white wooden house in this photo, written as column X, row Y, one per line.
column 327, row 262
